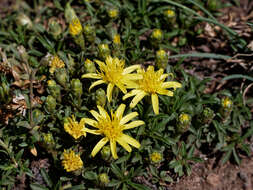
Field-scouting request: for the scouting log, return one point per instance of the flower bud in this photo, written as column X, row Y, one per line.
column 89, row 66
column 50, row 104
column 54, row 28
column 71, row 65
column 170, row 16
column 184, row 122
column 106, row 153
column 24, row 20
column 156, row 37
column 161, row 59
column 104, row 179
column 156, row 157
column 113, row 13
column 182, row 41
column 212, row 5
column 89, row 33
column 54, row 90
column 77, row 88
column 55, row 63
column 62, row 77
column 38, row 116
column 226, row 107
column 69, row 13
column 48, row 138
column 116, row 39
column 207, row 115
column 75, row 27
column 100, row 97
column 103, row 51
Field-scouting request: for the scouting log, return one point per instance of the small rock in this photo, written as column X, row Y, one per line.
column 213, row 179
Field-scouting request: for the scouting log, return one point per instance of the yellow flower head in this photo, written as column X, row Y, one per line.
column 184, row 118
column 157, row 34
column 55, row 63
column 226, row 103
column 116, row 39
column 169, row 13
column 74, row 128
column 113, row 73
column 75, row 27
column 152, row 83
column 111, row 127
column 71, row 161
column 113, row 13
column 156, row 157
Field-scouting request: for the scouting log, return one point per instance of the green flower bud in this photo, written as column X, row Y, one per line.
column 71, row 65
column 69, row 13
column 161, row 59
column 77, row 88
column 182, row 41
column 103, row 51
column 54, row 89
column 226, row 107
column 113, row 13
column 48, row 138
column 100, row 97
column 24, row 20
column 89, row 66
column 38, row 116
column 50, row 104
column 157, row 35
column 104, row 179
column 156, row 157
column 170, row 16
column 62, row 77
column 184, row 122
column 106, row 153
column 207, row 115
column 89, row 33
column 54, row 28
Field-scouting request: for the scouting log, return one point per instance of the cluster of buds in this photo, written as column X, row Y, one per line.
column 100, row 97
column 103, row 51
column 4, row 91
column 156, row 37
column 207, row 116
column 54, row 90
column 89, row 33
column 161, row 59
column 184, row 122
column 226, row 108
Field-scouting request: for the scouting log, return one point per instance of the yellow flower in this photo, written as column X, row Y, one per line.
column 169, row 13
column 226, row 103
column 111, row 127
column 71, row 161
column 75, row 27
column 184, row 118
column 116, row 39
column 113, row 13
column 157, row 34
column 55, row 63
column 74, row 128
column 152, row 83
column 113, row 73
column 156, row 157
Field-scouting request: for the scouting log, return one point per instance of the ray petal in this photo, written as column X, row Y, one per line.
column 131, row 69
column 113, row 149
column 98, row 146
column 130, row 140
column 137, row 98
column 133, row 124
column 119, row 112
column 172, row 84
column 96, row 83
column 124, row 144
column 155, row 103
column 91, row 75
column 131, row 93
column 90, row 122
column 109, row 91
column 95, row 114
column 128, row 117
column 102, row 111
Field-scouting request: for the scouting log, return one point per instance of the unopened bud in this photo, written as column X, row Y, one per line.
column 104, row 179
column 156, row 157
column 62, row 77
column 54, row 28
column 113, row 13
column 50, row 104
column 103, row 51
column 24, row 20
column 100, row 97
column 76, row 87
column 89, row 33
column 226, row 108
column 38, row 116
column 184, row 122
column 54, row 90
column 69, row 13
column 212, row 5
column 89, row 66
column 207, row 115
column 106, row 153
column 161, row 59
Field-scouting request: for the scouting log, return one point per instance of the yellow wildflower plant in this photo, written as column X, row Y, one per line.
column 152, row 83
column 113, row 73
column 75, row 129
column 75, row 27
column 111, row 127
column 71, row 161
column 55, row 63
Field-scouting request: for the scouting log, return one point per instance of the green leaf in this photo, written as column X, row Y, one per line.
column 237, row 159
column 226, row 156
column 200, row 55
column 90, row 175
column 77, row 187
column 116, row 170
column 138, row 186
column 237, row 76
column 35, row 186
column 46, row 177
